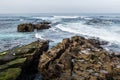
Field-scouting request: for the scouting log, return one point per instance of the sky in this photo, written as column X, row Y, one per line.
column 59, row 6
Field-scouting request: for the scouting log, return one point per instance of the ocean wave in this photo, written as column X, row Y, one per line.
column 101, row 21
column 42, row 18
column 9, row 19
column 66, row 17
column 51, row 19
column 106, row 34
column 79, row 28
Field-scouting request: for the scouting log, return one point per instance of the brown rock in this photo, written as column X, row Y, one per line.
column 29, row 27
column 42, row 26
column 78, row 59
column 26, row 27
column 30, row 66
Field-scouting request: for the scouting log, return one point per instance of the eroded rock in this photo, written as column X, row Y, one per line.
column 29, row 27
column 23, row 65
column 79, row 59
column 72, row 59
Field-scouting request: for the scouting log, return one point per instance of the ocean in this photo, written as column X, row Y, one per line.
column 103, row 26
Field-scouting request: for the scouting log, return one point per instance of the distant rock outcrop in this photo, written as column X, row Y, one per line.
column 29, row 27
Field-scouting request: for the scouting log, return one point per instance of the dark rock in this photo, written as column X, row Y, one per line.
column 30, row 66
column 98, row 42
column 29, row 27
column 24, row 63
column 6, row 58
column 45, row 22
column 42, row 26
column 26, row 27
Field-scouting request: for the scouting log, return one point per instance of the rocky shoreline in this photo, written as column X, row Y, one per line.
column 77, row 58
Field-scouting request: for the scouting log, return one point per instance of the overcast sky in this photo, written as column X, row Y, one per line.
column 59, row 6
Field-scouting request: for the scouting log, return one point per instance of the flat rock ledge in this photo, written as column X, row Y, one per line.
column 29, row 27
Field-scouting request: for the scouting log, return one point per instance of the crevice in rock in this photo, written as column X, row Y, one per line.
column 30, row 66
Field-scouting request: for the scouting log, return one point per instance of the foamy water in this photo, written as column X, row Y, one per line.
column 103, row 33
column 105, row 27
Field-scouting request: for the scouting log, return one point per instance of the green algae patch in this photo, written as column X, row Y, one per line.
column 10, row 74
column 11, row 70
column 20, row 52
column 23, row 49
column 27, row 49
column 4, row 52
column 14, row 63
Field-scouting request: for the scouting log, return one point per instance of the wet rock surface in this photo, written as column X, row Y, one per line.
column 79, row 59
column 29, row 27
column 22, row 63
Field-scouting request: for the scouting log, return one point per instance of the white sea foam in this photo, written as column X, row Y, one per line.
column 107, row 33
column 66, row 17
column 21, row 20
column 52, row 19
column 43, row 18
column 38, row 36
column 103, row 33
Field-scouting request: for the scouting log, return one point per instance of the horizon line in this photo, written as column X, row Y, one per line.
column 54, row 13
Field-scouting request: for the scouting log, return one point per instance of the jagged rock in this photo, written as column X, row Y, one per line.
column 24, row 63
column 42, row 26
column 29, row 27
column 97, row 42
column 78, row 59
column 72, row 59
column 26, row 27
column 29, row 68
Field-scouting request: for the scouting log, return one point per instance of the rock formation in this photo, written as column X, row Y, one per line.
column 79, row 59
column 29, row 27
column 22, row 65
column 72, row 59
